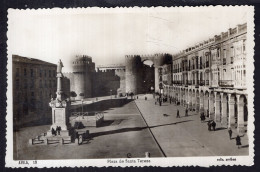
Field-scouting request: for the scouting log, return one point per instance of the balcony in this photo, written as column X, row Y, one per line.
column 224, row 61
column 201, row 82
column 207, row 64
column 177, row 82
column 226, row 83
column 190, row 82
column 207, row 82
column 231, row 60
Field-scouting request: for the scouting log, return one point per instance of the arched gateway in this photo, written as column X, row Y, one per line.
column 135, row 71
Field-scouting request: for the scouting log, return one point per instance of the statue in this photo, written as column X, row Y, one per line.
column 59, row 66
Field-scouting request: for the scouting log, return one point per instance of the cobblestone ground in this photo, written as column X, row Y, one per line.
column 124, row 131
column 187, row 136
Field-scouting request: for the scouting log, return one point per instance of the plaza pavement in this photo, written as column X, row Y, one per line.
column 124, row 131
column 187, row 136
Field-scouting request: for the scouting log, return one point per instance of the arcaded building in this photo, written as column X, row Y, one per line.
column 210, row 77
column 34, row 83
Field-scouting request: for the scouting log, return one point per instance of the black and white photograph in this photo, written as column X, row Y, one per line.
column 159, row 86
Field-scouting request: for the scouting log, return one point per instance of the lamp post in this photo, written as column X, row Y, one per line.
column 152, row 90
column 82, row 100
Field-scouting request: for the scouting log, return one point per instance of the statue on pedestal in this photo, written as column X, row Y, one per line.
column 59, row 106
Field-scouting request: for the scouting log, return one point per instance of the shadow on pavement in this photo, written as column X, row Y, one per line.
column 102, row 105
column 123, row 130
column 245, row 146
column 220, row 128
column 111, row 122
column 170, row 124
column 43, row 121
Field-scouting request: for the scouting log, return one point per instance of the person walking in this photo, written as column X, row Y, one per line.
column 238, row 141
column 209, row 125
column 53, row 132
column 186, row 112
column 178, row 114
column 230, row 133
column 214, row 125
column 160, row 101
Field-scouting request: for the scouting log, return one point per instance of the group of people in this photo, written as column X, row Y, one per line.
column 211, row 124
column 178, row 113
column 56, row 131
column 238, row 139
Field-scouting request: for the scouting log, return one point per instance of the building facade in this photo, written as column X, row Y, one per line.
column 34, row 83
column 210, row 77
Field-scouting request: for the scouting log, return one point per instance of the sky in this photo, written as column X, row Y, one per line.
column 107, row 35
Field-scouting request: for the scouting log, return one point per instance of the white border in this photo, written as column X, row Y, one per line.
column 163, row 162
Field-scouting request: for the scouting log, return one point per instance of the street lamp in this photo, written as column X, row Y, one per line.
column 152, row 90
column 82, row 100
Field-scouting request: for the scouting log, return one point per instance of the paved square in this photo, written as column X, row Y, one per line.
column 124, row 132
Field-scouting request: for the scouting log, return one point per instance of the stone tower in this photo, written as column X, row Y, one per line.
column 83, row 67
column 133, row 65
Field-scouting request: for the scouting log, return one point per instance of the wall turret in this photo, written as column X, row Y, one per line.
column 82, row 68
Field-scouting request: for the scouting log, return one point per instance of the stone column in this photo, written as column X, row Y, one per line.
column 217, row 108
column 240, row 116
column 202, row 103
column 211, row 107
column 193, row 100
column 205, row 106
column 231, row 110
column 224, row 120
column 59, row 87
column 188, row 99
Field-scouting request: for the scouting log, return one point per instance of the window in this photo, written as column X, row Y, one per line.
column 32, row 84
column 17, row 72
column 50, row 84
column 17, row 84
column 53, row 73
column 49, row 73
column 45, row 83
column 40, row 83
column 25, row 83
column 244, row 45
column 32, row 94
column 31, row 72
column 18, row 98
column 25, row 72
column 40, row 73
column 45, row 73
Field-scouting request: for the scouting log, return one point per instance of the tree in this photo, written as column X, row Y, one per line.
column 73, row 94
column 81, row 94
